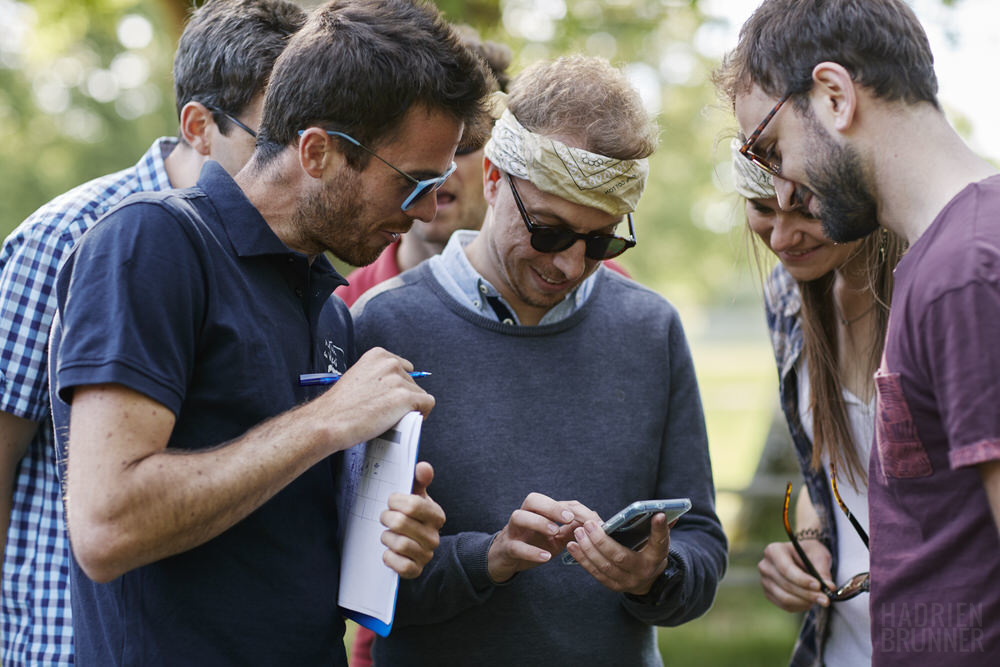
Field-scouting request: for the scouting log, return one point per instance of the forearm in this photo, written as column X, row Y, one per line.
column 990, row 474
column 15, row 436
column 131, row 503
column 806, row 517
column 697, row 540
column 455, row 580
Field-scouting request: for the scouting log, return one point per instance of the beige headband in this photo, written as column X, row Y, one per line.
column 608, row 184
column 750, row 180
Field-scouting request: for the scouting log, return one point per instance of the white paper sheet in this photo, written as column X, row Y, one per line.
column 367, row 585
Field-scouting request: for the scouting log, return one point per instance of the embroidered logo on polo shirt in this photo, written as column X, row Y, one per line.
column 336, row 360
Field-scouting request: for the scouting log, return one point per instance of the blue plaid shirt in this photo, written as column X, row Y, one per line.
column 784, row 305
column 37, row 625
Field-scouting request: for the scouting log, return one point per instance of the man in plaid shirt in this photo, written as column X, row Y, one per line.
column 223, row 61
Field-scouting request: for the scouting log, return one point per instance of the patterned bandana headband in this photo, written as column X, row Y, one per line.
column 750, row 180
column 608, row 184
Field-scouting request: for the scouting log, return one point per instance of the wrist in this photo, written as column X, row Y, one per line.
column 324, row 429
column 499, row 572
column 811, row 534
column 663, row 583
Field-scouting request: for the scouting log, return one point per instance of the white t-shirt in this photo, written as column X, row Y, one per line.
column 849, row 641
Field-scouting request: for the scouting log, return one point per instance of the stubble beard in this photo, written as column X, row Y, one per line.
column 336, row 223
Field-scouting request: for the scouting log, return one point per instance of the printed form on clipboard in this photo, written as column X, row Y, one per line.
column 367, row 585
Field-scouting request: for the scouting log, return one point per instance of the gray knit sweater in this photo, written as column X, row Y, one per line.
column 601, row 407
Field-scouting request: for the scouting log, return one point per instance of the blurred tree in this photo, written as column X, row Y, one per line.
column 84, row 88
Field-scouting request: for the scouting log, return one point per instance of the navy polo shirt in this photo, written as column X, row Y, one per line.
column 188, row 297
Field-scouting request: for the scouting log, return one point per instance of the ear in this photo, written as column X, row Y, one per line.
column 836, row 94
column 196, row 121
column 491, row 180
column 316, row 151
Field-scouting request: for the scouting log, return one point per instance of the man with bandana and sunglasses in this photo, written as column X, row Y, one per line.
column 564, row 393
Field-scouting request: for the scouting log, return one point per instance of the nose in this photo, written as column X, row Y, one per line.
column 785, row 190
column 424, row 208
column 785, row 233
column 572, row 261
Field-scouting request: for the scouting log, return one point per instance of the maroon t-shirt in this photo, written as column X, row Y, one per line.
column 935, row 553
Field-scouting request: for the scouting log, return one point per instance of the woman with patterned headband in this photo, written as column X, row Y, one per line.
column 827, row 311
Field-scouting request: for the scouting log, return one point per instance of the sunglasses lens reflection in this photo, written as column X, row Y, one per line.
column 418, row 194
column 606, row 249
column 551, row 239
column 859, row 583
column 764, row 164
column 425, row 187
column 547, row 239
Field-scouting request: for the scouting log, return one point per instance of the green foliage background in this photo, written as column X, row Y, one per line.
column 48, row 148
column 57, row 132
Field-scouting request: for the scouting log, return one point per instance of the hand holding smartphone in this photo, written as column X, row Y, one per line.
column 630, row 527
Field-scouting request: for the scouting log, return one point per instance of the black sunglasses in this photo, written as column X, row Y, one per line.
column 242, row 126
column 856, row 585
column 557, row 239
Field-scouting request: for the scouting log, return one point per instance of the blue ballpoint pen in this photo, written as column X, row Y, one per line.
column 308, row 379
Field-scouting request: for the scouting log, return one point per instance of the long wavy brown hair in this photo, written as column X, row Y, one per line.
column 831, row 428
column 881, row 251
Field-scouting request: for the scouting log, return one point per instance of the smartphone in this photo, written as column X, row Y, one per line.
column 630, row 527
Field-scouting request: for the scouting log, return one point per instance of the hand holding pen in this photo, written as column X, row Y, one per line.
column 376, row 391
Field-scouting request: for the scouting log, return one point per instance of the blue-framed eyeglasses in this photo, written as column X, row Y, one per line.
column 420, row 188
column 232, row 118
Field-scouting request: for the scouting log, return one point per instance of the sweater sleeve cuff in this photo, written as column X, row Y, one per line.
column 472, row 550
column 666, row 584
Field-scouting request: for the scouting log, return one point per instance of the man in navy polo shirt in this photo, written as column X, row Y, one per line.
column 200, row 486
column 223, row 61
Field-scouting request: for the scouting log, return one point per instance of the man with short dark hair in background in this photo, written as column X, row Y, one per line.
column 222, row 64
